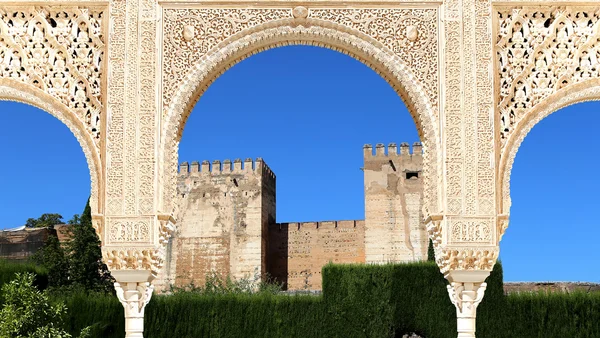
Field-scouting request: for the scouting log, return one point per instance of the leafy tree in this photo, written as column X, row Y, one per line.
column 28, row 312
column 46, row 220
column 52, row 257
column 85, row 257
column 430, row 252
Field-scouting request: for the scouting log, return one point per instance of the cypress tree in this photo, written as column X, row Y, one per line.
column 85, row 256
column 430, row 252
column 52, row 257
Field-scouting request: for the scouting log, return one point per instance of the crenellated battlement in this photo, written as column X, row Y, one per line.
column 331, row 225
column 392, row 150
column 227, row 167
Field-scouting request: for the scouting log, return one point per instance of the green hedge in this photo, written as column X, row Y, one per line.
column 358, row 301
column 9, row 269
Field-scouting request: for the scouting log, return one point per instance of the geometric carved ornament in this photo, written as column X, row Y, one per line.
column 540, row 51
column 60, row 51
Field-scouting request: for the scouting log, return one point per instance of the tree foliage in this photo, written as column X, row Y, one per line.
column 86, row 268
column 28, row 312
column 430, row 252
column 77, row 263
column 52, row 257
column 44, row 221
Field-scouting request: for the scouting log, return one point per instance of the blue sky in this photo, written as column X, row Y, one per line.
column 308, row 111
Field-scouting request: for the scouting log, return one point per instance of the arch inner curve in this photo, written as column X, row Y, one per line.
column 240, row 46
column 12, row 90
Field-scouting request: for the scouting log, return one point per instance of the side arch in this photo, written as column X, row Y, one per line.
column 14, row 90
column 289, row 32
column 588, row 90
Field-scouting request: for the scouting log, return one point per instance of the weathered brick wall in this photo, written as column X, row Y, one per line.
column 393, row 197
column 516, row 287
column 298, row 251
column 20, row 245
column 222, row 222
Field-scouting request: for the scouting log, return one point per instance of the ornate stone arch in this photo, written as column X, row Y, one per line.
column 14, row 90
column 301, row 31
column 587, row 90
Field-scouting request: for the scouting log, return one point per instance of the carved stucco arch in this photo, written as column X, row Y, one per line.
column 312, row 32
column 588, row 90
column 14, row 90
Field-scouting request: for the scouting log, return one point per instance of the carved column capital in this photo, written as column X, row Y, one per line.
column 134, row 291
column 466, row 292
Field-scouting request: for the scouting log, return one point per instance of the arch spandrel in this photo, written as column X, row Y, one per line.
column 547, row 58
column 190, row 69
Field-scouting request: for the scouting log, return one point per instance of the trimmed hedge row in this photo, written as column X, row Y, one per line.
column 9, row 269
column 358, row 301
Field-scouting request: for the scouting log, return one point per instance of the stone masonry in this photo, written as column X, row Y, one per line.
column 224, row 214
column 393, row 198
column 227, row 223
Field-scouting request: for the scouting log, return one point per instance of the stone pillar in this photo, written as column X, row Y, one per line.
column 134, row 292
column 466, row 291
column 465, row 265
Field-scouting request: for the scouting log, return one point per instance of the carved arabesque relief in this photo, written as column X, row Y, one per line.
column 202, row 43
column 60, row 51
column 540, row 51
column 547, row 58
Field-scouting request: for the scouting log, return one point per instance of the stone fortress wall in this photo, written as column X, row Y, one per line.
column 227, row 223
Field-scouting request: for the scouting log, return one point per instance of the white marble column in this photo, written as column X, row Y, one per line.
column 134, row 292
column 466, row 291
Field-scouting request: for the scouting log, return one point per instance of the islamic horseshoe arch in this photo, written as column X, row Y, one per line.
column 547, row 59
column 52, row 59
column 253, row 30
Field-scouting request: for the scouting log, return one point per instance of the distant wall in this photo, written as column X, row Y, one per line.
column 298, row 251
column 20, row 245
column 516, row 287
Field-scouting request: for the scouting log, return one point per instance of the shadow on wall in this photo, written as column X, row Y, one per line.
column 278, row 253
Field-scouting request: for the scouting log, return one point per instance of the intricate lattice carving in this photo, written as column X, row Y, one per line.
column 192, row 33
column 540, row 51
column 59, row 50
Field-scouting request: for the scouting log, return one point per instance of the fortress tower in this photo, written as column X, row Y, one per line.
column 393, row 197
column 224, row 213
column 226, row 223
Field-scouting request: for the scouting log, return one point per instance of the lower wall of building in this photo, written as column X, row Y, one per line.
column 298, row 251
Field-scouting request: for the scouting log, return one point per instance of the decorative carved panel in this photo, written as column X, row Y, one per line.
column 541, row 50
column 471, row 231
column 59, row 50
column 411, row 34
column 134, row 231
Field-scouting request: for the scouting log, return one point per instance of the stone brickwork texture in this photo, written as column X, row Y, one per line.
column 298, row 251
column 224, row 212
column 393, row 198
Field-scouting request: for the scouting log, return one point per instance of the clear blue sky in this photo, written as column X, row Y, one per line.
column 308, row 111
